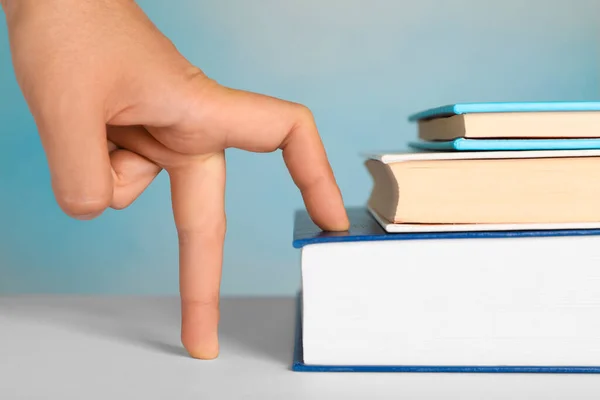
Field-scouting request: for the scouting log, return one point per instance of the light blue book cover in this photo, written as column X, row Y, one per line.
column 498, row 107
column 464, row 144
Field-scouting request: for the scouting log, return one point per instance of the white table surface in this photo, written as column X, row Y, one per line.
column 129, row 348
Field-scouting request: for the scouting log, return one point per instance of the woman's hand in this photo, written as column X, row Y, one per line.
column 97, row 69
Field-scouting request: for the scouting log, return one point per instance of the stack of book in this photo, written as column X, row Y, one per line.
column 478, row 250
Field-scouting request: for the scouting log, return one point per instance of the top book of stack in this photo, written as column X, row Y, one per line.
column 539, row 120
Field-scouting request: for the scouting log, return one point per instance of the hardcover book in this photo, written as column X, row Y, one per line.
column 578, row 119
column 497, row 301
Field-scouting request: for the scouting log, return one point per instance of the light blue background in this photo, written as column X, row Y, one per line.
column 361, row 66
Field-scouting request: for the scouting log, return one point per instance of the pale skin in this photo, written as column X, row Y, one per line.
column 115, row 103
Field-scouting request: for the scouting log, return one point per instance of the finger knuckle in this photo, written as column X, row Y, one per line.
column 304, row 121
column 305, row 115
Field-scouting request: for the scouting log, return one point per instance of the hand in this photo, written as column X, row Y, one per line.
column 90, row 69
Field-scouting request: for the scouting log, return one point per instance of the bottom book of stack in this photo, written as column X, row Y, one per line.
column 503, row 301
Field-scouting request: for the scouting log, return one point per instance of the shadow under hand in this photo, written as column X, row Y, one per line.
column 259, row 326
column 151, row 322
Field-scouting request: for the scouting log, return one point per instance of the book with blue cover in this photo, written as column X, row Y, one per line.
column 481, row 302
column 465, row 144
column 511, row 120
column 505, row 107
column 366, row 226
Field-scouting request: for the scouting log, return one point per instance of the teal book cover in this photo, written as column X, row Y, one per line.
column 503, row 107
column 466, row 144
